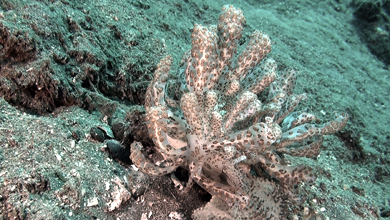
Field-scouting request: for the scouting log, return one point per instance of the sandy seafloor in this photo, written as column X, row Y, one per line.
column 320, row 39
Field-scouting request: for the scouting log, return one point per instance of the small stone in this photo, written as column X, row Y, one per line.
column 97, row 134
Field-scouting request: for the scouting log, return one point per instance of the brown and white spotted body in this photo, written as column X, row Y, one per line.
column 210, row 120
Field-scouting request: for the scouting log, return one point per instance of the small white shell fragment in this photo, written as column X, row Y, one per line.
column 175, row 216
column 134, row 167
column 144, row 217
column 92, row 202
column 176, row 182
